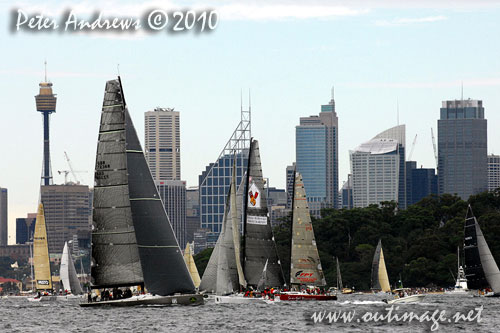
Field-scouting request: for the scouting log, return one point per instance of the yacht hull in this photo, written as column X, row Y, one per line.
column 406, row 299
column 306, row 297
column 189, row 299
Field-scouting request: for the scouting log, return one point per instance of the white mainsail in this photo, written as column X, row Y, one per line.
column 224, row 273
column 487, row 261
column 67, row 273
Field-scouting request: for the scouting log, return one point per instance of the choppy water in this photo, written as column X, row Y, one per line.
column 19, row 315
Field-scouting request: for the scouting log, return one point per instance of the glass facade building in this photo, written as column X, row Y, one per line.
column 316, row 151
column 421, row 182
column 215, row 180
column 462, row 148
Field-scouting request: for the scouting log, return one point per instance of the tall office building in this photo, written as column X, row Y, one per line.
column 346, row 193
column 290, row 178
column 421, row 182
column 398, row 133
column 192, row 212
column 46, row 104
column 173, row 195
column 462, row 148
column 493, row 172
column 163, row 154
column 3, row 217
column 215, row 180
column 162, row 143
column 25, row 228
column 376, row 169
column 67, row 213
column 316, row 148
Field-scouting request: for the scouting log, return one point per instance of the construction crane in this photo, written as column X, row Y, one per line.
column 66, row 172
column 412, row 148
column 71, row 168
column 434, row 146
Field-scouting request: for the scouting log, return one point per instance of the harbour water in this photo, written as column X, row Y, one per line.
column 19, row 315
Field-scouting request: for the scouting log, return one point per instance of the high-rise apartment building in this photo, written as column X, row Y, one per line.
column 67, row 213
column 3, row 217
column 462, row 148
column 162, row 143
column 316, row 147
column 493, row 172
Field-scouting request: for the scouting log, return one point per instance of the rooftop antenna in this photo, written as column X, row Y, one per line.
column 333, row 93
column 118, row 69
column 249, row 99
column 45, row 63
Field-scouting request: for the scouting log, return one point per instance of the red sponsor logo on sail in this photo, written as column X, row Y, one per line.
column 253, row 197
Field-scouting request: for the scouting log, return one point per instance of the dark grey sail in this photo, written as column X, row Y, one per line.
column 259, row 245
column 163, row 266
column 487, row 263
column 473, row 269
column 115, row 257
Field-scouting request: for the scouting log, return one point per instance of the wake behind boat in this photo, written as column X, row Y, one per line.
column 133, row 243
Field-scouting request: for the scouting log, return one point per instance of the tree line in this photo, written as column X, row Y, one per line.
column 420, row 242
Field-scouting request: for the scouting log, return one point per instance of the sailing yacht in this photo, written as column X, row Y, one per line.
column 226, row 273
column 340, row 287
column 306, row 271
column 67, row 273
column 41, row 263
column 380, row 279
column 133, row 244
column 481, row 270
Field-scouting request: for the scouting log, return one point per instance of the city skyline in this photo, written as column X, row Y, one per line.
column 376, row 56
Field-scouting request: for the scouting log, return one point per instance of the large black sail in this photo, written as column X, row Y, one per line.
column 259, row 240
column 115, row 257
column 163, row 266
column 473, row 267
column 481, row 251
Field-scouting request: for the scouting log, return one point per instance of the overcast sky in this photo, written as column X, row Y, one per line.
column 289, row 55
